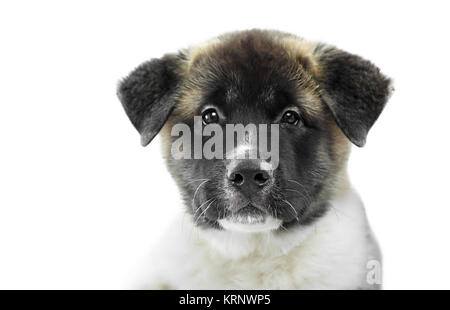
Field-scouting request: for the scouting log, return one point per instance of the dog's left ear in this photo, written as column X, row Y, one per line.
column 354, row 90
column 148, row 94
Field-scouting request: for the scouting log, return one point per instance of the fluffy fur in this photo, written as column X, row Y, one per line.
column 303, row 227
column 330, row 254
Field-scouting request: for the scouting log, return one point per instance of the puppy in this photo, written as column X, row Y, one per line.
column 291, row 222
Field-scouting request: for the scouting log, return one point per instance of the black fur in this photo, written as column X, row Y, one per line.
column 250, row 80
column 148, row 95
column 354, row 90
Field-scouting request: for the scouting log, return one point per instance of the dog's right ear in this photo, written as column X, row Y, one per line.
column 148, row 94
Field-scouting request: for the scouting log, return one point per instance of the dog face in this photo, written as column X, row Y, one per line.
column 319, row 98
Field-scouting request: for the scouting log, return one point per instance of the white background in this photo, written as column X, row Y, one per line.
column 81, row 201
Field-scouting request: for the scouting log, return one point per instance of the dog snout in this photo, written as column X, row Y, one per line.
column 249, row 177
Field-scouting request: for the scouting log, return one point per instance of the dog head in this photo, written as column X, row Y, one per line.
column 307, row 100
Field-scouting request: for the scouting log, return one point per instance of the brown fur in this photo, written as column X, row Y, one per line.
column 204, row 61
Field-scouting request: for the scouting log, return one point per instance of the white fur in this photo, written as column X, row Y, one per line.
column 250, row 224
column 246, row 149
column 331, row 253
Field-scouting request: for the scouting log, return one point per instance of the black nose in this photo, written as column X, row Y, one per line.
column 249, row 179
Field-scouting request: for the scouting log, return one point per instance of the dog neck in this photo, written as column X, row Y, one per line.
column 345, row 215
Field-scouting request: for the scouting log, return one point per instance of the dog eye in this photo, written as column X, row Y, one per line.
column 210, row 116
column 290, row 117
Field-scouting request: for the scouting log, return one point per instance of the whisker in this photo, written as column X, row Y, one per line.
column 292, row 207
column 304, row 194
column 293, row 190
column 296, row 182
column 200, row 207
column 206, row 209
column 192, row 181
column 195, row 193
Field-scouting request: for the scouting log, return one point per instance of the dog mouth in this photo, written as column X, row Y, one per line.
column 249, row 215
column 249, row 219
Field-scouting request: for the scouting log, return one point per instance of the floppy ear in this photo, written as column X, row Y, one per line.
column 354, row 90
column 148, row 95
